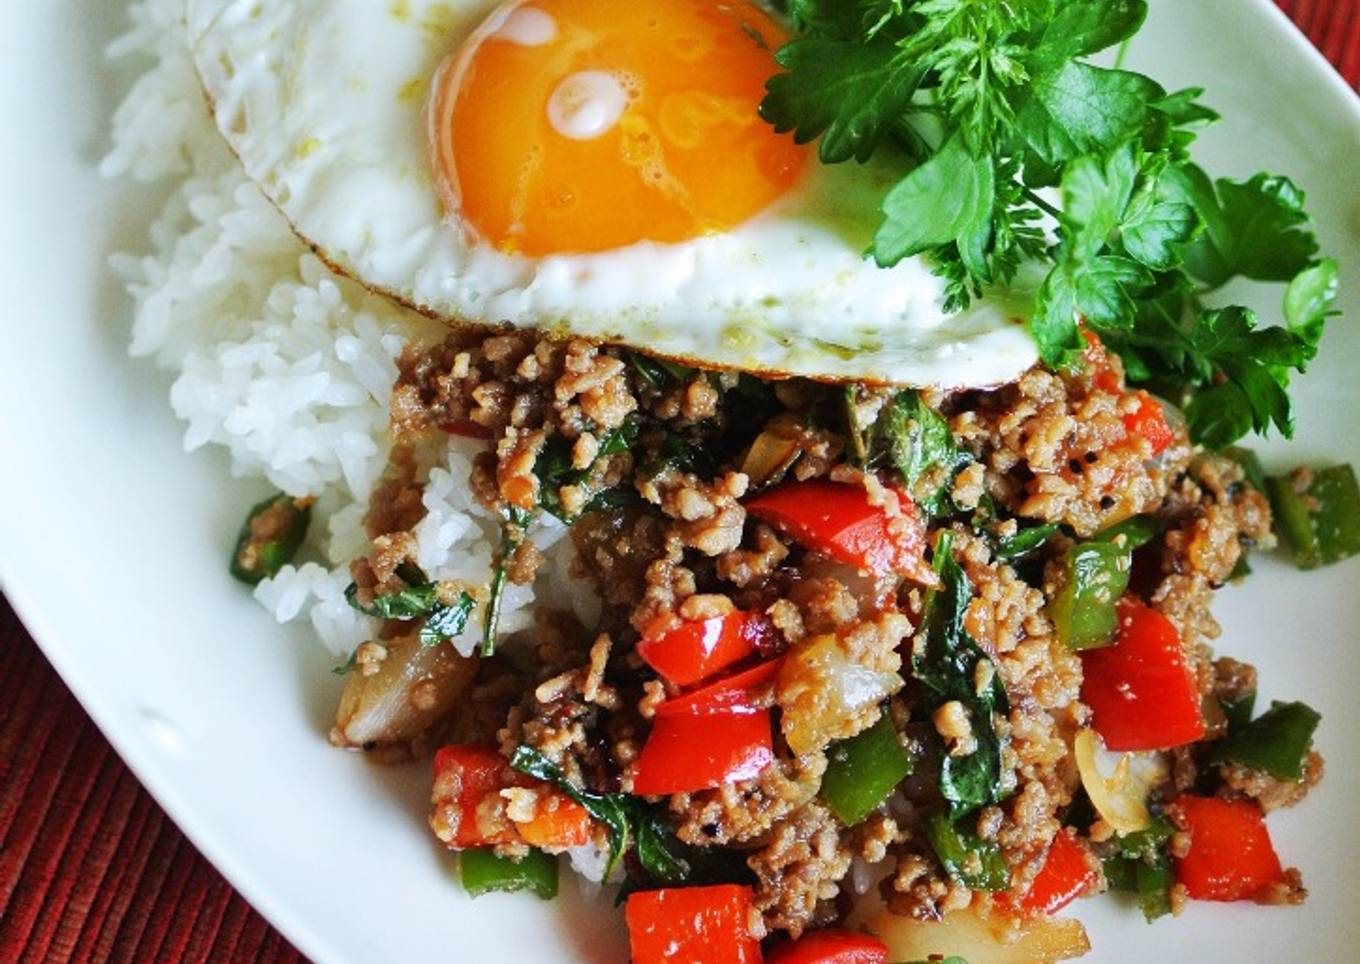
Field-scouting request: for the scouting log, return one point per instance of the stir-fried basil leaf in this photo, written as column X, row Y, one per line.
column 419, row 599
column 514, row 522
column 915, row 439
column 951, row 666
column 409, row 602
column 630, row 822
column 446, row 622
column 1025, row 542
column 554, row 467
column 660, row 373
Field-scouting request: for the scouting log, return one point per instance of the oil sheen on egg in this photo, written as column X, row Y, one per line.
column 586, row 166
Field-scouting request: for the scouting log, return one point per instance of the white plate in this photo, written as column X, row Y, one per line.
column 113, row 544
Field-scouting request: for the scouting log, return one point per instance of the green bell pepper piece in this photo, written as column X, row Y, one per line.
column 1097, row 573
column 1140, row 865
column 483, row 872
column 1239, row 711
column 972, row 861
column 271, row 535
column 1276, row 742
column 1132, row 533
column 1321, row 525
column 863, row 770
column 1250, row 462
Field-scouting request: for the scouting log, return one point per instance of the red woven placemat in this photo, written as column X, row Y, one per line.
column 92, row 869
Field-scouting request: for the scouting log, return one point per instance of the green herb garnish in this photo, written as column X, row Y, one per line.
column 985, row 103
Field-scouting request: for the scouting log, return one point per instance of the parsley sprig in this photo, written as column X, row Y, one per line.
column 1002, row 125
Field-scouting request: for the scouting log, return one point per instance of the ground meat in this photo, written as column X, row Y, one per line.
column 1233, row 680
column 709, row 515
column 1056, row 449
column 1288, row 890
column 870, row 840
column 830, row 686
column 376, row 573
column 516, row 455
column 1043, row 681
column 395, row 505
column 743, row 811
column 752, row 566
column 919, row 888
column 615, row 550
column 798, row 871
column 1213, row 517
column 677, row 451
column 565, row 701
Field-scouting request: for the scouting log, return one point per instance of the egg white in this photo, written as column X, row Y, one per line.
column 324, row 102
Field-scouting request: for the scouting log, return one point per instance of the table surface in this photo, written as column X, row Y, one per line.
column 92, row 869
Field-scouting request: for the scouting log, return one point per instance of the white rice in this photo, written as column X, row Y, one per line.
column 278, row 360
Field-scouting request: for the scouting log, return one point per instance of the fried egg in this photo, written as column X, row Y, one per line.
column 595, row 167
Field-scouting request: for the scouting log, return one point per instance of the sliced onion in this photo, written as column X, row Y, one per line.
column 1119, row 783
column 769, row 457
column 824, row 695
column 996, row 940
column 415, row 687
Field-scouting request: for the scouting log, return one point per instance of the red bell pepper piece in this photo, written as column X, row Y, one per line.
column 1068, row 872
column 1098, row 363
column 830, row 947
column 687, row 751
column 691, row 924
column 696, row 650
column 1230, row 855
column 466, row 776
column 735, row 694
column 1149, row 422
column 1141, row 692
column 837, row 519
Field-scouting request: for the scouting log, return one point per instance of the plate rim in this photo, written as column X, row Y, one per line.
column 135, row 748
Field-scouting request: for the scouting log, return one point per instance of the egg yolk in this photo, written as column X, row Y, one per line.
column 586, row 125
